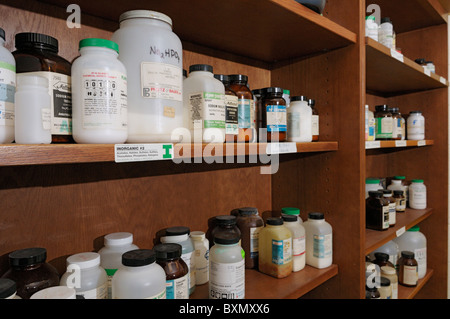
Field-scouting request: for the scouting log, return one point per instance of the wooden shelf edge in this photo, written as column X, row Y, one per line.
column 410, row 292
column 375, row 238
column 17, row 155
column 292, row 287
column 397, row 144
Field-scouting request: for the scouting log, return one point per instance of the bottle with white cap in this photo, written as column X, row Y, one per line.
column 85, row 274
column 111, row 254
column 55, row 292
column 201, row 255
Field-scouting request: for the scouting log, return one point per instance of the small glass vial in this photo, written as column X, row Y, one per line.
column 383, row 123
column 231, row 109
column 168, row 256
column 8, row 289
column 139, row 277
column 299, row 120
column 377, row 211
column 8, row 87
column 298, row 242
column 319, row 241
column 274, row 117
column 408, row 274
column 32, row 110
column 201, row 255
column 315, row 120
column 247, row 113
column 416, row 126
column 85, row 274
column 99, row 99
column 387, row 194
column 115, row 244
column 227, row 268
column 250, row 224
column 400, row 201
column 417, row 194
column 37, row 54
column 30, row 271
column 180, row 235
column 57, row 292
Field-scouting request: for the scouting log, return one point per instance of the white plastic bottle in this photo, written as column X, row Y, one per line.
column 371, row 28
column 415, row 241
column 180, row 235
column 204, row 103
column 139, row 277
column 292, row 211
column 319, row 241
column 86, row 276
column 415, row 126
column 417, row 194
column 227, row 269
column 397, row 184
column 386, row 33
column 201, row 255
column 99, row 94
column 8, row 87
column 115, row 244
column 153, row 57
column 32, row 110
column 298, row 242
column 299, row 120
column 372, row 184
column 55, row 292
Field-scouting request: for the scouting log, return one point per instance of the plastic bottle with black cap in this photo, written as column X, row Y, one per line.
column 319, row 241
column 8, row 86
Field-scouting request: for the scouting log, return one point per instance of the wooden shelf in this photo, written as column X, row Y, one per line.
column 404, row 221
column 397, row 144
column 262, row 286
column 18, row 154
column 409, row 292
column 237, row 26
column 408, row 15
column 389, row 76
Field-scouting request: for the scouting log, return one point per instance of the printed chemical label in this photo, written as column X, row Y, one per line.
column 207, row 107
column 383, row 127
column 231, row 115
column 322, row 246
column 161, row 81
column 276, row 118
column 293, row 124
column 100, row 292
column 410, row 275
column 385, row 217
column 177, row 288
column 281, row 251
column 227, row 281
column 397, row 55
column 104, row 99
column 142, row 152
column 245, row 118
column 7, row 91
column 254, row 240
column 298, row 246
column 315, row 125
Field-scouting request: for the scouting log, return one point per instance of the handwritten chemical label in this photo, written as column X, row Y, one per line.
column 142, row 152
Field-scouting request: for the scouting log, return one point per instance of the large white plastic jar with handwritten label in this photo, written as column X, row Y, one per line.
column 152, row 54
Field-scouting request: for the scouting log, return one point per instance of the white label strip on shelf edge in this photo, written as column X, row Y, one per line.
column 443, row 80
column 372, row 144
column 400, row 143
column 427, row 71
column 142, row 152
column 281, row 148
column 421, row 143
column 400, row 231
column 397, row 55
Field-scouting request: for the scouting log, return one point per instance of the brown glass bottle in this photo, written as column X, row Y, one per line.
column 382, row 259
column 383, row 123
column 250, row 223
column 257, row 93
column 408, row 269
column 315, row 120
column 372, row 293
column 231, row 109
column 168, row 256
column 274, row 117
column 30, row 271
column 246, row 108
column 387, row 194
column 39, row 53
column 377, row 211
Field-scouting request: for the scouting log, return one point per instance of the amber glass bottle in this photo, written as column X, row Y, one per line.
column 274, row 118
column 231, row 109
column 246, row 108
column 38, row 54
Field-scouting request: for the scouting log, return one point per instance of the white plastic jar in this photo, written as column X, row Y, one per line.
column 299, row 120
column 319, row 241
column 32, row 110
column 204, row 105
column 180, row 235
column 415, row 126
column 55, row 292
column 99, row 94
column 139, row 277
column 86, row 276
column 115, row 244
column 372, row 184
column 298, row 242
column 371, row 28
column 386, row 33
column 153, row 56
column 8, row 87
column 201, row 255
column 415, row 241
column 417, row 194
column 227, row 269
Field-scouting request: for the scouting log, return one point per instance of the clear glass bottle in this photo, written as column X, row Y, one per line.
column 8, row 87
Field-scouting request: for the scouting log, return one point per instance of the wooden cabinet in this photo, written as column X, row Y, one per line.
column 67, row 197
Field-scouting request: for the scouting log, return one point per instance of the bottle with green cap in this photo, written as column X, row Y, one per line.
column 292, row 211
column 372, row 184
column 415, row 241
column 99, row 94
